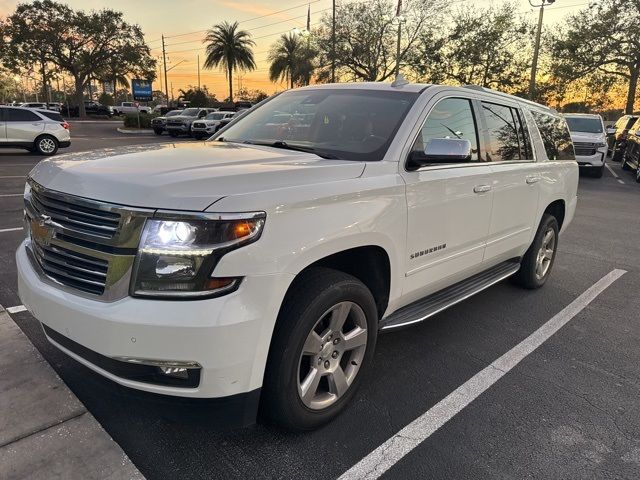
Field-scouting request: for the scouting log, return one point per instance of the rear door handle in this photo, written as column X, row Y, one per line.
column 481, row 188
column 533, row 179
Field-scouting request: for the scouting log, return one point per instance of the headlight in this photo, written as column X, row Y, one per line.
column 600, row 144
column 177, row 255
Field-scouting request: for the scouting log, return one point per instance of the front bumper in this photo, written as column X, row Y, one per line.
column 595, row 160
column 178, row 128
column 227, row 337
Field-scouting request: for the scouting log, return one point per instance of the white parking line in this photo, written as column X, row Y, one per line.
column 611, row 170
column 17, row 309
column 12, row 195
column 620, row 181
column 12, row 176
column 10, row 229
column 390, row 452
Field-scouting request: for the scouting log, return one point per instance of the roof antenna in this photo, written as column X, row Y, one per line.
column 400, row 81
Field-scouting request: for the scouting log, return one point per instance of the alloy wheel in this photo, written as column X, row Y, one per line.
column 47, row 145
column 332, row 355
column 545, row 254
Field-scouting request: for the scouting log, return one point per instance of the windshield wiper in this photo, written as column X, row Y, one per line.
column 295, row 148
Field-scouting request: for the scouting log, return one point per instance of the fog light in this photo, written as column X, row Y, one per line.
column 177, row 372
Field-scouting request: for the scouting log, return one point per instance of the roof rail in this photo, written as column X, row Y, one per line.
column 502, row 94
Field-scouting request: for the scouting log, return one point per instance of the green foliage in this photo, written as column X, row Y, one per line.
column 253, row 96
column 229, row 49
column 604, row 38
column 131, row 120
column 291, row 58
column 198, row 97
column 106, row 99
column 97, row 44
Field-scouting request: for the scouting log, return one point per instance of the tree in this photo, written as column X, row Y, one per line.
column 486, row 47
column 291, row 58
column 79, row 43
column 366, row 37
column 198, row 97
column 605, row 37
column 229, row 49
column 253, row 96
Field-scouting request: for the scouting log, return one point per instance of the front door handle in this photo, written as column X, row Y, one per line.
column 532, row 179
column 481, row 188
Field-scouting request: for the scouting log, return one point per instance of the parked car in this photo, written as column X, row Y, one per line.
column 40, row 131
column 40, row 105
column 631, row 158
column 258, row 269
column 55, row 106
column 209, row 125
column 130, row 107
column 90, row 108
column 617, row 136
column 589, row 140
column 181, row 124
column 158, row 123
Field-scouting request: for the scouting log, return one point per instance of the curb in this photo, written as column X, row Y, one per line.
column 135, row 131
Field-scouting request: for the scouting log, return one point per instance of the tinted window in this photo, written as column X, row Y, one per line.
column 53, row 116
column 450, row 118
column 507, row 138
column 190, row 112
column 525, row 139
column 19, row 115
column 630, row 122
column 555, row 136
column 584, row 124
column 346, row 123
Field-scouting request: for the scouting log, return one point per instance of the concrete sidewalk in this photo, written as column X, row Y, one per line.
column 45, row 431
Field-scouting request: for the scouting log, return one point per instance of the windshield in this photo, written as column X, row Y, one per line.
column 190, row 112
column 584, row 124
column 339, row 123
column 215, row 116
column 173, row 113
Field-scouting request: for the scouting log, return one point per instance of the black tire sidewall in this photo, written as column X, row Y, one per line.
column 526, row 276
column 282, row 404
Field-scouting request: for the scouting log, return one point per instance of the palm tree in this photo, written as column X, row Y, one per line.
column 291, row 59
column 230, row 49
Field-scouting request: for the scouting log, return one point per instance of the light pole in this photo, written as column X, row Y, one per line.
column 333, row 45
column 536, row 49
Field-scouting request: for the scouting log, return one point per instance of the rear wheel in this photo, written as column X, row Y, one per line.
column 538, row 260
column 324, row 339
column 46, row 145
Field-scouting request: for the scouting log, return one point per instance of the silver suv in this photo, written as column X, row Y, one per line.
column 41, row 131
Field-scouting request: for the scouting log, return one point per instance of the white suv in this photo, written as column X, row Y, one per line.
column 259, row 267
column 41, row 131
column 589, row 140
column 209, row 124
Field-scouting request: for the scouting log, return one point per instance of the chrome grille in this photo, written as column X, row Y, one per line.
column 199, row 125
column 584, row 149
column 175, row 123
column 75, row 217
column 72, row 269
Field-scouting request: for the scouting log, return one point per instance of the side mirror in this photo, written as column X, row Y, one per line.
column 611, row 130
column 441, row 150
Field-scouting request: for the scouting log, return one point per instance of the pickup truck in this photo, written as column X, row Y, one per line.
column 130, row 107
column 257, row 268
column 181, row 124
column 90, row 108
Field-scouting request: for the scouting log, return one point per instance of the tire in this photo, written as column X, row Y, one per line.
column 157, row 131
column 315, row 297
column 623, row 163
column 598, row 172
column 46, row 145
column 529, row 276
column 638, row 173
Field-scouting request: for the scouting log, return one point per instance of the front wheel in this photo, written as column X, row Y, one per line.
column 324, row 339
column 46, row 145
column 638, row 173
column 538, row 260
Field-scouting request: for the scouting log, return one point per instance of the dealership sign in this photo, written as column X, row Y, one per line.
column 141, row 90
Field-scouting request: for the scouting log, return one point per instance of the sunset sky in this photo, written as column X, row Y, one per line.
column 183, row 23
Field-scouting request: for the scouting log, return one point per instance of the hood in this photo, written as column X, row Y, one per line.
column 588, row 137
column 185, row 176
column 183, row 117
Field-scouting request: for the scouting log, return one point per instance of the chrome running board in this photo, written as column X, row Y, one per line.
column 435, row 303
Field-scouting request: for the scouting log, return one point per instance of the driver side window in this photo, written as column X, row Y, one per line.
column 451, row 118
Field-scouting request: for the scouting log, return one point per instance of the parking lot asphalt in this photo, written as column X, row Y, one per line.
column 570, row 409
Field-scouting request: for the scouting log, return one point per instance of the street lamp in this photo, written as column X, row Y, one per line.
column 536, row 50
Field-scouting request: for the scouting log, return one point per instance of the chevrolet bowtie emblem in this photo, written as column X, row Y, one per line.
column 44, row 220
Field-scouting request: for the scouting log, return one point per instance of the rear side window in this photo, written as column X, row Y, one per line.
column 19, row 115
column 508, row 139
column 53, row 116
column 450, row 118
column 555, row 136
column 630, row 123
